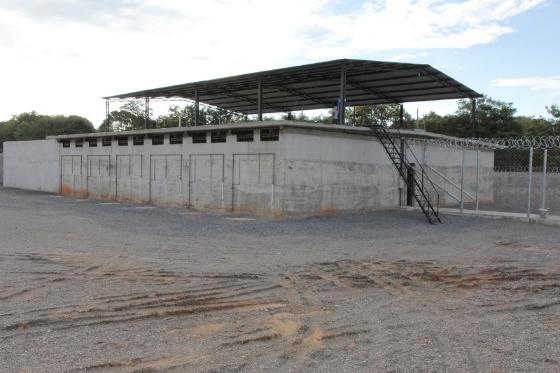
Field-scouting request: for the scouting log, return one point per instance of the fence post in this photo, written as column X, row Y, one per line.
column 543, row 211
column 477, row 176
column 462, row 178
column 530, row 182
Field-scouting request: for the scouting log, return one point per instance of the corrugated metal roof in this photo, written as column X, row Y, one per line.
column 317, row 86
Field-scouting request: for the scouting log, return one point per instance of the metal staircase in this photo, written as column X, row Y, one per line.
column 421, row 192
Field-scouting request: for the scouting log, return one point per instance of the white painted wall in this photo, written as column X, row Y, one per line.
column 32, row 165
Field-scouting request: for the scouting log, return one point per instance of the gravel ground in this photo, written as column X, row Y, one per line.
column 110, row 287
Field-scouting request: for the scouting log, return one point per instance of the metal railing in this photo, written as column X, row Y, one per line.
column 433, row 197
column 424, row 175
column 450, row 182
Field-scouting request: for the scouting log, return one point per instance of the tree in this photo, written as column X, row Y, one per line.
column 129, row 117
column 384, row 114
column 207, row 115
column 33, row 126
column 7, row 130
column 451, row 125
column 554, row 111
column 531, row 126
column 494, row 118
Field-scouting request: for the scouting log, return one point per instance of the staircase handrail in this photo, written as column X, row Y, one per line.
column 452, row 183
column 424, row 173
column 420, row 187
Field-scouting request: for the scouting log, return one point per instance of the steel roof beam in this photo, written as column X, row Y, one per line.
column 371, row 91
column 297, row 92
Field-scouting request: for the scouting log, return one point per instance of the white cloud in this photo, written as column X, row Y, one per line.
column 407, row 57
column 551, row 83
column 62, row 57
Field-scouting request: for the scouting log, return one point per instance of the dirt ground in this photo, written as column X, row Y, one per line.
column 108, row 287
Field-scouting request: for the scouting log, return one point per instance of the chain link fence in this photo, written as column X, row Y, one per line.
column 527, row 180
column 525, row 177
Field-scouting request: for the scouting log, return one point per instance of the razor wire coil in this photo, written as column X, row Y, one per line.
column 522, row 142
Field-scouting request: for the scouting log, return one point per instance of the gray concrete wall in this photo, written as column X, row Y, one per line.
column 32, row 165
column 327, row 172
column 208, row 176
column 511, row 191
column 307, row 171
column 448, row 162
column 1, row 169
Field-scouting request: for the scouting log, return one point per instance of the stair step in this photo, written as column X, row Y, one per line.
column 420, row 195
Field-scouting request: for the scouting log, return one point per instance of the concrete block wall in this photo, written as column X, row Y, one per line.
column 32, row 165
column 1, row 169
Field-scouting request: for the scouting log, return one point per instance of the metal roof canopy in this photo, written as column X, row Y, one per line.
column 317, row 86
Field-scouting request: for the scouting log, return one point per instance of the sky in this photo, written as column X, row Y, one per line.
column 62, row 56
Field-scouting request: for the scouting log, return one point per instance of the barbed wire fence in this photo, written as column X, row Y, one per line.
column 523, row 142
column 526, row 173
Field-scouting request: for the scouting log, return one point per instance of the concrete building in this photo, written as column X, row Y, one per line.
column 271, row 168
column 267, row 168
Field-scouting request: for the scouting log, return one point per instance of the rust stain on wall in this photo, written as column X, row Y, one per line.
column 70, row 191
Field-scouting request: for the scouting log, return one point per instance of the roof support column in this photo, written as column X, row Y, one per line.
column 401, row 116
column 342, row 96
column 473, row 116
column 196, row 107
column 147, row 111
column 259, row 102
column 107, row 112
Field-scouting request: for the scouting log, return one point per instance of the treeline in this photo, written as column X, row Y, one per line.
column 494, row 118
column 131, row 116
column 33, row 126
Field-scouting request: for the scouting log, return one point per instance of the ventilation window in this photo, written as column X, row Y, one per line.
column 218, row 136
column 157, row 139
column 245, row 136
column 176, row 138
column 65, row 143
column 270, row 134
column 107, row 141
column 199, row 137
column 92, row 143
column 122, row 141
column 138, row 140
column 79, row 143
